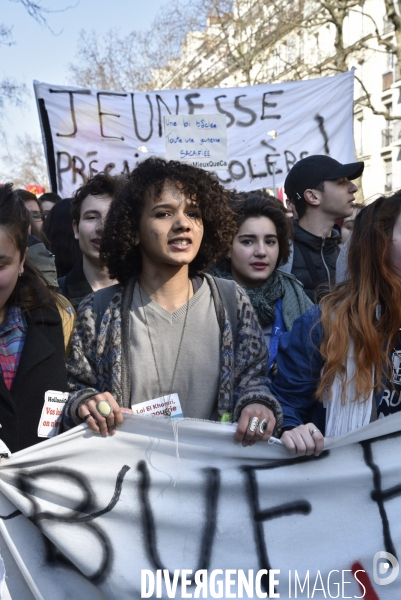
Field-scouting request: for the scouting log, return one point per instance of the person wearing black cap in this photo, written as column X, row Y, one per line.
column 322, row 191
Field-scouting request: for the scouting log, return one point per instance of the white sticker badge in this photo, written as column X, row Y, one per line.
column 158, row 406
column 50, row 419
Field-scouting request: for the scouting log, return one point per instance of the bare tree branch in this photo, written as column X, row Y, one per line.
column 27, row 164
column 40, row 13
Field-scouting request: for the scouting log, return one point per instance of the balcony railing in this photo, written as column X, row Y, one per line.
column 387, row 80
column 387, row 137
column 397, row 131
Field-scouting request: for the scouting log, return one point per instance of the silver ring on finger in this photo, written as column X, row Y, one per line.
column 253, row 423
column 312, row 431
column 263, row 426
column 104, row 408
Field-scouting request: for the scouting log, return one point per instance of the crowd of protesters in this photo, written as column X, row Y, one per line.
column 222, row 305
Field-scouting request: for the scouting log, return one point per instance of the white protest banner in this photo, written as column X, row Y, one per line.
column 101, row 519
column 199, row 140
column 269, row 127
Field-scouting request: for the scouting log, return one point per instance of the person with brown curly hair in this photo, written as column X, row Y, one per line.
column 170, row 333
column 260, row 246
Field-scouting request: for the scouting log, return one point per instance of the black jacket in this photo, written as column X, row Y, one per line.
column 314, row 261
column 41, row 368
column 75, row 286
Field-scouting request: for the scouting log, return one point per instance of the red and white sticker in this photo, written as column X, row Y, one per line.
column 50, row 419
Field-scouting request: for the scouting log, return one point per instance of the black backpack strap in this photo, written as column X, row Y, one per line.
column 101, row 300
column 225, row 297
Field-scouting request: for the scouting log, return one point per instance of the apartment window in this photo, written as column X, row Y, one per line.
column 291, row 50
column 277, row 59
column 390, row 61
column 388, row 170
column 387, row 80
column 387, row 132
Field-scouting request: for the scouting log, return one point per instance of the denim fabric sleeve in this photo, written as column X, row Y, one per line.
column 299, row 365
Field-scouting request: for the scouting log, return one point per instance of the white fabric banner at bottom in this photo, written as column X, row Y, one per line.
column 176, row 509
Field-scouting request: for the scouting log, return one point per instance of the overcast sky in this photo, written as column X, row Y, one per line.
column 37, row 53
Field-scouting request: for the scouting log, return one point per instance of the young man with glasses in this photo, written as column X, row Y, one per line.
column 32, row 203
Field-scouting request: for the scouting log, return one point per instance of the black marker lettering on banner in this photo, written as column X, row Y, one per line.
column 109, row 167
column 259, row 516
column 126, row 170
column 239, row 175
column 61, row 170
column 320, row 121
column 76, row 165
column 212, row 489
column 248, row 111
column 270, row 163
column 252, row 174
column 238, row 170
column 78, row 169
column 72, row 109
column 224, row 112
column 269, row 105
column 379, row 495
column 193, row 105
column 138, row 135
column 84, row 513
column 289, row 161
column 159, row 100
column 92, row 170
column 102, row 114
column 264, row 143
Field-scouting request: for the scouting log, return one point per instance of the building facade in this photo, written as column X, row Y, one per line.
column 272, row 42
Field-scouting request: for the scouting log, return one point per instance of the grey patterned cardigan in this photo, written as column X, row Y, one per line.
column 100, row 361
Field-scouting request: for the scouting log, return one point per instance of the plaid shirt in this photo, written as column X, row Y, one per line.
column 12, row 340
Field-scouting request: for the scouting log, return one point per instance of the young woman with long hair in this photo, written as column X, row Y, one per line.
column 260, row 246
column 339, row 368
column 167, row 331
column 32, row 351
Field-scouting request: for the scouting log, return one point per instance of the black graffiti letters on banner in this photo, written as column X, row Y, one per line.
column 84, row 513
